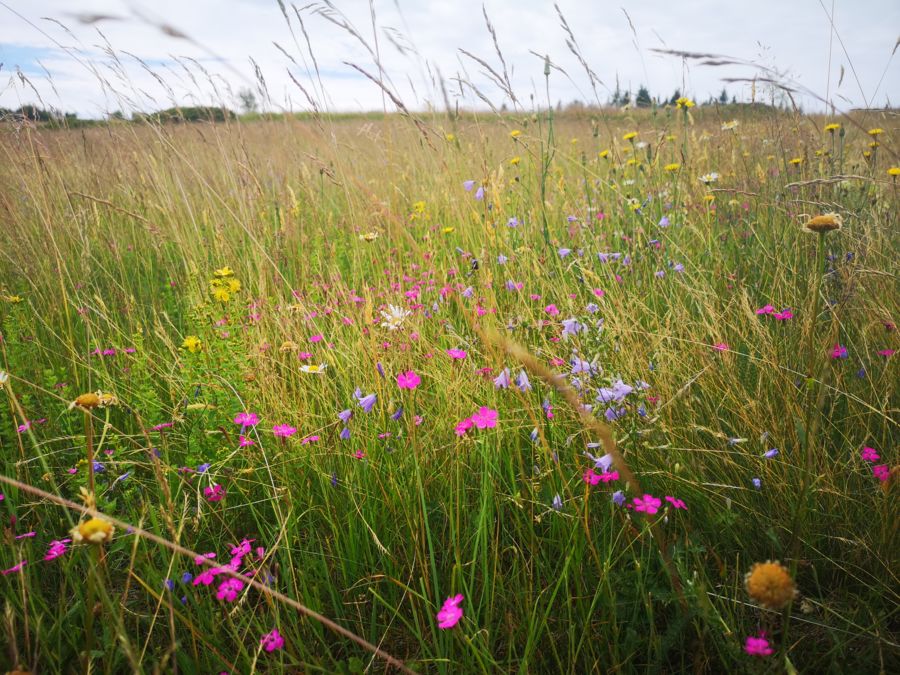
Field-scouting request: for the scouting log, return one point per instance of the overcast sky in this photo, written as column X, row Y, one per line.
column 52, row 51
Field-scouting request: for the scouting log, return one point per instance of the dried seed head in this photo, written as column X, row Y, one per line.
column 770, row 584
column 824, row 223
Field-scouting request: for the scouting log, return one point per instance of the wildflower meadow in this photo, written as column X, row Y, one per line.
column 556, row 391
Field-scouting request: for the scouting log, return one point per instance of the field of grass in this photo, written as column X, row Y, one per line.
column 367, row 365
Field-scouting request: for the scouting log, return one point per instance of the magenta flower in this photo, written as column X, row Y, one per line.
column 18, row 568
column 408, row 380
column 57, row 548
column 246, row 419
column 721, row 347
column 214, row 493
column 882, row 472
column 552, row 310
column 647, row 504
column 757, row 646
column 283, row 430
column 767, row 309
column 451, row 612
column 869, row 454
column 485, row 418
column 456, row 353
column 272, row 641
column 463, row 426
column 784, row 315
column 244, row 442
column 676, row 503
column 839, row 352
column 886, row 353
column 229, row 589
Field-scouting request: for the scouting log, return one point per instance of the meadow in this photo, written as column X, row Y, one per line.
column 532, row 392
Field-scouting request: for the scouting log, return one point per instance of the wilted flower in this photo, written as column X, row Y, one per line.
column 770, row 584
column 92, row 531
column 823, row 223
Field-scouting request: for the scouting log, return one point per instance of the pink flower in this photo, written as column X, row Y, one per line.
column 272, row 641
column 886, row 353
column 244, row 442
column 304, row 356
column 316, row 338
column 450, row 613
column 591, row 477
column 869, row 454
column 882, row 472
column 24, row 427
column 839, row 352
column 551, row 310
column 757, row 646
column 784, row 315
column 676, row 503
column 283, row 430
column 57, row 548
column 18, row 568
column 463, row 426
column 766, row 309
column 309, row 439
column 229, row 589
column 456, row 353
column 214, row 493
column 721, row 347
column 359, row 454
column 246, row 419
column 207, row 576
column 408, row 380
column 485, row 418
column 647, row 504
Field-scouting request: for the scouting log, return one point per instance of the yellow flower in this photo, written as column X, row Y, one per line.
column 448, row 230
column 574, row 141
column 631, row 135
column 894, row 171
column 796, row 160
column 224, row 272
column 234, row 285
column 824, row 223
column 674, row 166
column 450, row 137
column 770, row 585
column 684, row 102
column 875, row 132
column 93, row 531
column 14, row 299
column 709, row 198
column 604, row 154
column 515, row 160
column 515, row 133
column 631, row 162
column 192, row 343
column 221, row 294
column 873, row 144
column 419, row 207
column 832, row 127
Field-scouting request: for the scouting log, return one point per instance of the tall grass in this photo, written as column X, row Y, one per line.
column 111, row 236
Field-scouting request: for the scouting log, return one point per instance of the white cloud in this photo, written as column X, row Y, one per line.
column 791, row 36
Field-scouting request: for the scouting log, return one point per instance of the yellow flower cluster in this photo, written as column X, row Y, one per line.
column 223, row 284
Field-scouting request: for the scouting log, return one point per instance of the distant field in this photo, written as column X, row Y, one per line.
column 582, row 369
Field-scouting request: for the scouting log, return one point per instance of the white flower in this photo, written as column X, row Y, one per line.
column 394, row 317
column 4, row 378
column 708, row 178
column 726, row 126
column 315, row 370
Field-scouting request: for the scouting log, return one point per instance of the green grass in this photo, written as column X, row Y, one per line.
column 112, row 235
